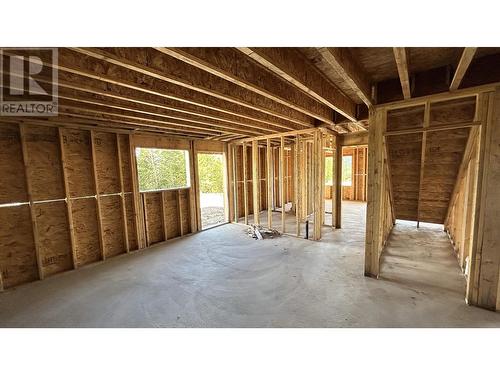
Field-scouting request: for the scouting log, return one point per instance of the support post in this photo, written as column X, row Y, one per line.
column 256, row 182
column 338, row 185
column 282, row 186
column 245, row 187
column 269, row 181
column 376, row 178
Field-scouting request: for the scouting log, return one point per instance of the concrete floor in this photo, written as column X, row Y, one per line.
column 223, row 278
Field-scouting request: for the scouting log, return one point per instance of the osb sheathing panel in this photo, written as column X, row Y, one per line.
column 44, row 160
column 125, row 162
column 77, row 148
column 171, row 214
column 154, row 217
column 459, row 110
column 405, row 118
column 160, row 142
column 112, row 225
column 186, row 222
column 12, row 177
column 405, row 153
column 17, row 247
column 106, row 153
column 53, row 237
column 440, row 172
column 132, row 233
column 86, row 231
column 209, row 146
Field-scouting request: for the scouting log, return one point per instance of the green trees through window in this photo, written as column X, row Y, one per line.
column 160, row 169
column 211, row 173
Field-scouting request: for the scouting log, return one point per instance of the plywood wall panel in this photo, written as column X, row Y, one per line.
column 125, row 161
column 17, row 247
column 78, row 153
column 172, row 221
column 186, row 222
column 86, row 231
column 440, row 173
column 131, row 230
column 404, row 153
column 112, row 226
column 106, row 153
column 44, row 160
column 53, row 237
column 154, row 217
column 13, row 180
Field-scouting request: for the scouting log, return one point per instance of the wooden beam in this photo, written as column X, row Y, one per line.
column 374, row 210
column 67, row 198
column 337, row 204
column 180, row 216
column 164, row 215
column 146, row 221
column 269, row 183
column 459, row 125
column 467, row 156
column 256, row 182
column 401, row 57
column 86, row 73
column 281, row 182
column 245, row 187
column 136, row 195
column 292, row 66
column 159, row 66
column 341, row 60
column 27, row 173
column 465, row 60
column 235, row 182
column 122, row 194
column 296, row 184
column 97, row 196
column 235, row 67
column 427, row 117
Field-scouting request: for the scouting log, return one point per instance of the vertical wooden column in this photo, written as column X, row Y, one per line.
column 69, row 211
column 235, row 184
column 322, row 191
column 256, row 182
column 338, row 185
column 97, row 196
column 122, row 195
column 334, row 179
column 194, row 190
column 139, row 229
column 164, row 215
column 245, row 187
column 483, row 285
column 281, row 179
column 377, row 127
column 317, row 176
column 427, row 116
column 296, row 184
column 145, row 210
column 27, row 172
column 270, row 184
column 179, row 213
column 228, row 152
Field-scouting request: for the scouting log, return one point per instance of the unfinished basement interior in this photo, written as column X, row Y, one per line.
column 250, row 187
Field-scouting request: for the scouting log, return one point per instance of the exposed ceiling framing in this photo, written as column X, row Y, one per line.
column 233, row 93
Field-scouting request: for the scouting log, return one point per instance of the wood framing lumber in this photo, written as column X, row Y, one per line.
column 465, row 60
column 341, row 60
column 269, row 183
column 401, row 57
column 237, row 68
column 256, row 182
column 289, row 64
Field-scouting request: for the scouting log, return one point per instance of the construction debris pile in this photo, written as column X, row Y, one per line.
column 259, row 233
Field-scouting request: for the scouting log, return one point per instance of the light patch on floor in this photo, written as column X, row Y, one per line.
column 223, row 278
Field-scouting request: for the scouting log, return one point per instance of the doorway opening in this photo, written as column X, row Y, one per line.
column 212, row 189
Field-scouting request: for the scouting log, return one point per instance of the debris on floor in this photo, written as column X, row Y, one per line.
column 259, row 232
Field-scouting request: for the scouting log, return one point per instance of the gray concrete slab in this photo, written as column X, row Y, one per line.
column 223, row 278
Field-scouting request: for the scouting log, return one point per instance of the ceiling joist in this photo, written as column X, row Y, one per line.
column 401, row 57
column 465, row 60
